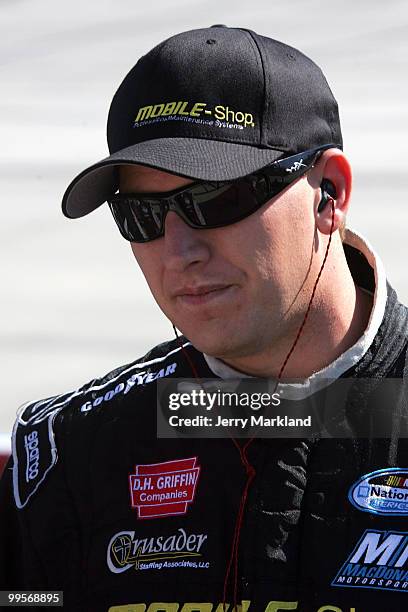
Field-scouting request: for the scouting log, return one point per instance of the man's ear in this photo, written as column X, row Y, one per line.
column 335, row 177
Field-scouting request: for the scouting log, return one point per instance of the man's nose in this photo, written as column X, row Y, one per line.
column 183, row 245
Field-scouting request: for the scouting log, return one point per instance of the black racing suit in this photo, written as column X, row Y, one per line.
column 70, row 524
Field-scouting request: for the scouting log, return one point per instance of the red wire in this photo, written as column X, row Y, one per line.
column 187, row 356
column 250, row 470
column 311, row 297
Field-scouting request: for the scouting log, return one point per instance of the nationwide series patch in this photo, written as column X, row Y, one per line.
column 164, row 489
column 382, row 492
column 379, row 561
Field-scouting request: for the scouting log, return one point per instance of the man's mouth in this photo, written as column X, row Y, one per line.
column 203, row 294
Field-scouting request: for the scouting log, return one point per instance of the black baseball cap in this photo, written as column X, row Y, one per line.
column 211, row 104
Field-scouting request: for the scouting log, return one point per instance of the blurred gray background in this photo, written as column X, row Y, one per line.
column 73, row 303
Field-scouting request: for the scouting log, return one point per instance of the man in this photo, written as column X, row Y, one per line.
column 226, row 150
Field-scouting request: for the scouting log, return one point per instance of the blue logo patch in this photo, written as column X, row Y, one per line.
column 378, row 561
column 382, row 492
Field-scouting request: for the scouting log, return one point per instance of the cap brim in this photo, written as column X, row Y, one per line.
column 208, row 160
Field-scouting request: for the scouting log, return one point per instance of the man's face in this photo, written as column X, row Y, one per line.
column 232, row 291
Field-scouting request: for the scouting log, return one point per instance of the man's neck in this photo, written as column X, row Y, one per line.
column 335, row 323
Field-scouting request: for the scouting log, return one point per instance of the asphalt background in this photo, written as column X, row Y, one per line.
column 73, row 303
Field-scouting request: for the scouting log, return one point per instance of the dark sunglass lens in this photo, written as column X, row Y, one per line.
column 212, row 206
column 266, row 187
column 201, row 205
column 138, row 221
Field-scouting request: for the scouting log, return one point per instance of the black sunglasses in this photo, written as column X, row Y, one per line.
column 140, row 217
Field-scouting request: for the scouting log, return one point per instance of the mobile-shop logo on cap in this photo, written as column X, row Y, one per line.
column 193, row 112
column 382, row 492
column 164, row 489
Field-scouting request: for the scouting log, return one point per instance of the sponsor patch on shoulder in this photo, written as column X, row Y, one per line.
column 33, row 445
column 383, row 492
column 164, row 489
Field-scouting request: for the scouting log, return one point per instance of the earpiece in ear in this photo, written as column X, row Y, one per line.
column 328, row 193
